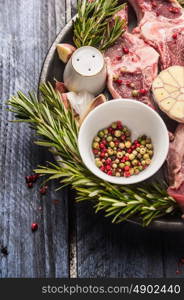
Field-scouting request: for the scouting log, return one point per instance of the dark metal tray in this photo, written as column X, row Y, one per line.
column 53, row 68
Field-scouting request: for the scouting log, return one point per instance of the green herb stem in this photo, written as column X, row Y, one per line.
column 58, row 131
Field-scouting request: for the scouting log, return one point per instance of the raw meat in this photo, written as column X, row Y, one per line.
column 176, row 166
column 132, row 66
column 161, row 25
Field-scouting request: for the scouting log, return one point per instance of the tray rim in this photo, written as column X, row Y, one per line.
column 175, row 224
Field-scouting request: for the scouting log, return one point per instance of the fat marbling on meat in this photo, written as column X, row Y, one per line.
column 161, row 25
column 132, row 66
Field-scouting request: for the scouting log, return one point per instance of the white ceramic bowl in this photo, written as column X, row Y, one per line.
column 140, row 119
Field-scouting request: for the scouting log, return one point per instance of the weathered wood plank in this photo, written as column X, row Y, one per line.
column 108, row 250
column 124, row 250
column 27, row 31
column 173, row 251
column 74, row 5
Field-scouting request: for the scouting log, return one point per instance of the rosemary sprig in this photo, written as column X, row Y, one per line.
column 93, row 27
column 58, row 131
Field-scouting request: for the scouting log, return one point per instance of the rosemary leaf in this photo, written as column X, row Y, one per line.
column 58, row 130
column 93, row 27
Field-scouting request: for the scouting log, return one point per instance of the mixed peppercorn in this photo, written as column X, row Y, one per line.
column 118, row 79
column 116, row 155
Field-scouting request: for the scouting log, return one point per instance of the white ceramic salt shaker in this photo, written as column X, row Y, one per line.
column 86, row 71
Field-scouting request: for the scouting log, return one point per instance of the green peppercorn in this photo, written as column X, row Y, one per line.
column 109, row 138
column 115, row 77
column 131, row 156
column 131, row 171
column 101, row 134
column 146, row 156
column 114, row 166
column 142, row 151
column 97, row 139
column 127, row 133
column 135, row 162
column 127, row 163
column 138, row 149
column 136, row 171
column 110, row 151
column 148, row 161
column 114, row 125
column 140, row 168
column 117, row 133
column 119, row 154
column 118, row 174
column 148, row 141
column 105, row 131
column 128, row 144
column 143, row 162
column 135, row 152
column 111, row 144
column 98, row 163
column 149, row 146
column 96, row 145
column 135, row 93
column 150, row 152
column 121, row 165
column 143, row 142
column 121, row 145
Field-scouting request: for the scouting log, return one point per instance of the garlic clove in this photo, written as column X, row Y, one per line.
column 65, row 51
column 96, row 102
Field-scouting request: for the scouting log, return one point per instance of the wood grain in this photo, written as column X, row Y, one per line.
column 124, row 250
column 71, row 240
column 26, row 32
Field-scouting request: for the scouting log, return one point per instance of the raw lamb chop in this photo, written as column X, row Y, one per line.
column 161, row 25
column 176, row 167
column 132, row 66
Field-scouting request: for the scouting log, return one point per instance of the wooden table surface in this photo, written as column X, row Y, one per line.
column 71, row 241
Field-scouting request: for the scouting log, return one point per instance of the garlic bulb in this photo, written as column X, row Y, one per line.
column 79, row 102
column 168, row 92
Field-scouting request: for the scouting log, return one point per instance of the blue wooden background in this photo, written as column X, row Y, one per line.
column 71, row 241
